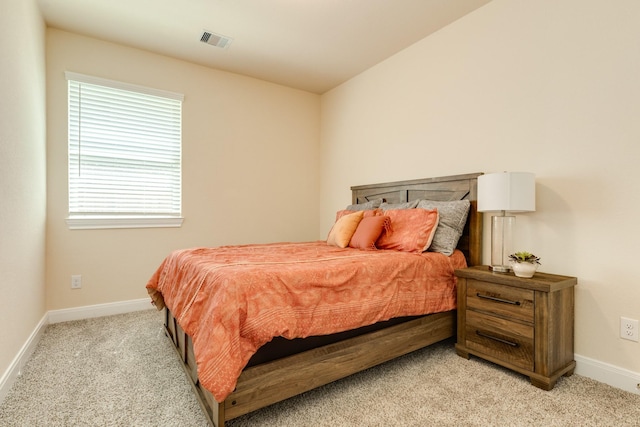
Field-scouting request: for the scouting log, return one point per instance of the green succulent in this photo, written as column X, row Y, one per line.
column 524, row 256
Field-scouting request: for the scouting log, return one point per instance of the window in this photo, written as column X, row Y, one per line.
column 124, row 155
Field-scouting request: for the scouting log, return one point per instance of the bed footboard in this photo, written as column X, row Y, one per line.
column 268, row 383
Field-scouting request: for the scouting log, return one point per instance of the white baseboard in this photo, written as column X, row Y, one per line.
column 99, row 310
column 64, row 315
column 608, row 374
column 15, row 368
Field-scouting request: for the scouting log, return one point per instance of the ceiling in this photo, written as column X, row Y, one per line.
column 313, row 45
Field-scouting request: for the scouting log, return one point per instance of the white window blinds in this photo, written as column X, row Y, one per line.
column 124, row 152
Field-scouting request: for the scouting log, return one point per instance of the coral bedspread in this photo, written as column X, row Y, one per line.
column 233, row 299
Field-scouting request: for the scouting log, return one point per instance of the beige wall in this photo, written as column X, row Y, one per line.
column 250, row 169
column 22, row 175
column 541, row 86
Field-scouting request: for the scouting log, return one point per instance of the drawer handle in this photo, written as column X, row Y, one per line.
column 503, row 341
column 505, row 301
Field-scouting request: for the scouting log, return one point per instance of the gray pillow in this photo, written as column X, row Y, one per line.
column 407, row 205
column 371, row 204
column 453, row 217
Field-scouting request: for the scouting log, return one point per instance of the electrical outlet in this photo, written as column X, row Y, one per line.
column 76, row 281
column 629, row 329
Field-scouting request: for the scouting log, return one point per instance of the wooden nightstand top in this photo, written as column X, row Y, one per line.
column 539, row 282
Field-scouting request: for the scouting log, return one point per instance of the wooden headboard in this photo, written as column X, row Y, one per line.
column 455, row 187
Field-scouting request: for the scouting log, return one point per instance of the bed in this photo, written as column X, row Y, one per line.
column 298, row 358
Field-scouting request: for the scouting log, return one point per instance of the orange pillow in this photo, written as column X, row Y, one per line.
column 343, row 229
column 368, row 231
column 412, row 230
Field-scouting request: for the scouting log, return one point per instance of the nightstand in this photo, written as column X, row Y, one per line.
column 522, row 324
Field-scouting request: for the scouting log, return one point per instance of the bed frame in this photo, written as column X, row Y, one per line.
column 271, row 381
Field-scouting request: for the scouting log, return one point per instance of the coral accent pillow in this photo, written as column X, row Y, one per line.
column 412, row 230
column 368, row 231
column 343, row 229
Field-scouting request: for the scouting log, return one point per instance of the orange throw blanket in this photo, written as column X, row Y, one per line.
column 232, row 300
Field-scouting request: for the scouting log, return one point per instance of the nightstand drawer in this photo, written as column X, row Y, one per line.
column 505, row 301
column 508, row 341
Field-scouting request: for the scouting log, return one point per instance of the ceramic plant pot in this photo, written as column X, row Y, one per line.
column 524, row 269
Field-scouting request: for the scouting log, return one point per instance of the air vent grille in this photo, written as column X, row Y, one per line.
column 217, row 40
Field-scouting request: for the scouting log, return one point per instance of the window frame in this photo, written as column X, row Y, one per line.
column 120, row 220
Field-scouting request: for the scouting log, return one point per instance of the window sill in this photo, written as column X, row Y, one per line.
column 89, row 222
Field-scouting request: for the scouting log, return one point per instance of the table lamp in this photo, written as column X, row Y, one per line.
column 505, row 192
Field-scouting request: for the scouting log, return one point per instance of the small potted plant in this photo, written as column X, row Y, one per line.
column 524, row 264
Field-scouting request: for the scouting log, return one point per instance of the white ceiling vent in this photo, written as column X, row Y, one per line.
column 217, row 40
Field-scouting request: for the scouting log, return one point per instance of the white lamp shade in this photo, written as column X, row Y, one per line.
column 507, row 191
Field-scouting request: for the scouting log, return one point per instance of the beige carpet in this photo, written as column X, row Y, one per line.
column 122, row 371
